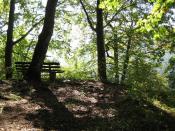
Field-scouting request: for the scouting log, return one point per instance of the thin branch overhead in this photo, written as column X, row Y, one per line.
column 123, row 7
column 23, row 36
column 88, row 17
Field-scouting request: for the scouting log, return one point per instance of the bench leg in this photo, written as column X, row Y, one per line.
column 52, row 76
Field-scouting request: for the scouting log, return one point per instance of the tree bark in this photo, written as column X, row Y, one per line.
column 34, row 71
column 126, row 61
column 9, row 42
column 101, row 58
column 116, row 60
column 99, row 30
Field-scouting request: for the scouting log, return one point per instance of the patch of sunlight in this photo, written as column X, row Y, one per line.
column 164, row 107
column 82, row 97
column 1, row 107
column 104, row 113
column 10, row 96
column 110, row 112
column 14, row 97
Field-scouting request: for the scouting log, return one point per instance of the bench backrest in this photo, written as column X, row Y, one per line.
column 46, row 67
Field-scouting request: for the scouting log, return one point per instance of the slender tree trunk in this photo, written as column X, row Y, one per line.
column 99, row 30
column 126, row 61
column 9, row 42
column 34, row 71
column 100, row 45
column 116, row 61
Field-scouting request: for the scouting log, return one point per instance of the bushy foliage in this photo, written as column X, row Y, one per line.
column 144, row 81
column 82, row 72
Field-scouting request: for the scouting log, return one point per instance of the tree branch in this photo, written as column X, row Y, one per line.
column 111, row 19
column 109, row 56
column 4, row 25
column 23, row 36
column 88, row 17
column 107, row 53
column 123, row 7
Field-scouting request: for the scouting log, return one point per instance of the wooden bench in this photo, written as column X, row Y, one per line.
column 48, row 67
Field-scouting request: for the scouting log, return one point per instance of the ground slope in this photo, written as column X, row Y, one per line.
column 77, row 105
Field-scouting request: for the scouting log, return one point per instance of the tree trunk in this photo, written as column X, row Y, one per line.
column 100, row 45
column 9, row 42
column 126, row 61
column 34, row 71
column 116, row 60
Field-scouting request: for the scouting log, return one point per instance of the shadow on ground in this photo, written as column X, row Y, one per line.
column 142, row 115
column 54, row 115
column 90, row 106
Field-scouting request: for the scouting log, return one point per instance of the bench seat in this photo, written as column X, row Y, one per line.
column 48, row 67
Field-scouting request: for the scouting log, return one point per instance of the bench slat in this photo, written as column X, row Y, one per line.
column 52, row 67
column 43, row 70
column 27, row 66
column 45, row 63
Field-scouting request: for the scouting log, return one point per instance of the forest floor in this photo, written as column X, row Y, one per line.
column 77, row 106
